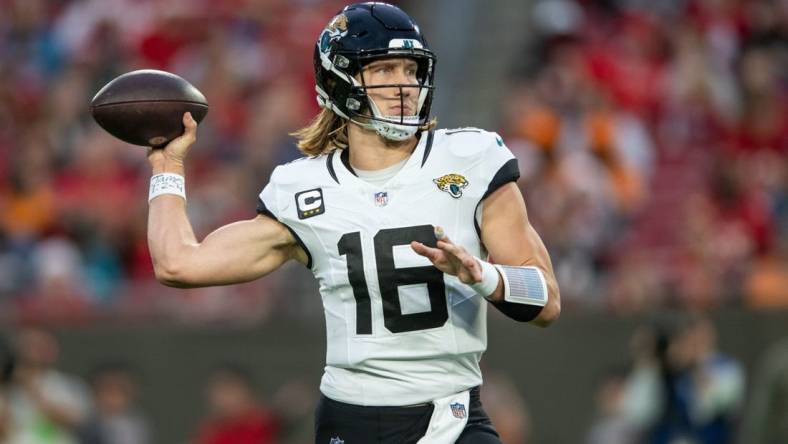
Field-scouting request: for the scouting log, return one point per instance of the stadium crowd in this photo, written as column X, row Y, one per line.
column 652, row 138
column 72, row 198
column 652, row 141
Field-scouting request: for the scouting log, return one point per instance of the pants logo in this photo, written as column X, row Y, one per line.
column 458, row 410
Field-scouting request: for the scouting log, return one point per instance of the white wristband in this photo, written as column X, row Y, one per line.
column 167, row 183
column 490, row 279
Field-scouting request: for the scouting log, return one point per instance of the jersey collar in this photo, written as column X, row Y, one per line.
column 339, row 167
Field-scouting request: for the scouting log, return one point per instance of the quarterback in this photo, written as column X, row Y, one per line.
column 410, row 231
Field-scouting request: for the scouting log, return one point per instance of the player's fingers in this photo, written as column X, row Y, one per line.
column 440, row 234
column 181, row 144
column 433, row 254
column 466, row 278
column 451, row 248
column 472, row 265
column 190, row 133
column 188, row 120
column 155, row 157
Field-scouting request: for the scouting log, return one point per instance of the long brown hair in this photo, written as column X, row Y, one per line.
column 325, row 133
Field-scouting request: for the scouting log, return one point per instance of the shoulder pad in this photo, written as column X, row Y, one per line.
column 298, row 169
column 467, row 129
column 467, row 142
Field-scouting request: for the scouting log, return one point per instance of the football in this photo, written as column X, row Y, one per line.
column 146, row 107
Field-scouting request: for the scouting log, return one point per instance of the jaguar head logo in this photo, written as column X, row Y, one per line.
column 338, row 23
column 452, row 184
column 335, row 30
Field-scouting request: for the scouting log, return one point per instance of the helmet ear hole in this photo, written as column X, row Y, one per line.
column 353, row 104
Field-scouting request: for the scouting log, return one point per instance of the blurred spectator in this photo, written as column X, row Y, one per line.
column 682, row 389
column 7, row 366
column 612, row 424
column 236, row 415
column 5, row 418
column 45, row 406
column 766, row 418
column 115, row 420
column 294, row 405
column 506, row 408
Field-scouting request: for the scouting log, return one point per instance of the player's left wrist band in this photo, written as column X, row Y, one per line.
column 490, row 279
column 167, row 183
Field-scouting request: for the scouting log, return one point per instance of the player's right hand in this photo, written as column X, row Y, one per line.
column 176, row 150
column 451, row 258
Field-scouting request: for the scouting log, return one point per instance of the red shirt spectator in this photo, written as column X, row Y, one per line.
column 237, row 416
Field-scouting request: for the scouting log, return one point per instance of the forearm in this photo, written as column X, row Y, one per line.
column 541, row 260
column 535, row 298
column 512, row 241
column 170, row 234
column 238, row 252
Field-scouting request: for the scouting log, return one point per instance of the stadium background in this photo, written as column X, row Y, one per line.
column 652, row 137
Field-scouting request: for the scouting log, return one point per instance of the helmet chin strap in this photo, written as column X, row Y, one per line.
column 389, row 126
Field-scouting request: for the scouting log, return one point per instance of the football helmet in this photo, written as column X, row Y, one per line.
column 358, row 35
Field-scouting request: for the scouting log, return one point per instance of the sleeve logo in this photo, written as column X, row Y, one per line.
column 310, row 203
column 452, row 184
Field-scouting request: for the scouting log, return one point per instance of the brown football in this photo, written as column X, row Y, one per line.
column 146, row 107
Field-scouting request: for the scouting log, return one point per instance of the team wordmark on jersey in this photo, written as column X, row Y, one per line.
column 458, row 410
column 452, row 184
column 336, row 441
column 310, row 203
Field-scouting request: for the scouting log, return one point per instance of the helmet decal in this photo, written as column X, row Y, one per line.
column 405, row 43
column 335, row 30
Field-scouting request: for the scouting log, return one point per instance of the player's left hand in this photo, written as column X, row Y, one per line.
column 451, row 259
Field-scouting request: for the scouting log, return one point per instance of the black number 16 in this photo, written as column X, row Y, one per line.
column 390, row 278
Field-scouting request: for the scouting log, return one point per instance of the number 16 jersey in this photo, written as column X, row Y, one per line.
column 399, row 331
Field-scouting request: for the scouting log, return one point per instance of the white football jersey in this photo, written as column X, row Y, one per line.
column 399, row 331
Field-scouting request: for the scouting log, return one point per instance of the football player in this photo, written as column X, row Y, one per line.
column 397, row 221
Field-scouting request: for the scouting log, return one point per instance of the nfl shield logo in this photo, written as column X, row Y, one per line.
column 336, row 441
column 381, row 199
column 458, row 410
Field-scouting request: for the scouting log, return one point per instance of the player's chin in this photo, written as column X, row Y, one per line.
column 397, row 112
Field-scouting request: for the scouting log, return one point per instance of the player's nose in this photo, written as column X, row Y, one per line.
column 405, row 89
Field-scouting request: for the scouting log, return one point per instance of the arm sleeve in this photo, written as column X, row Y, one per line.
column 268, row 204
column 267, row 200
column 498, row 167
